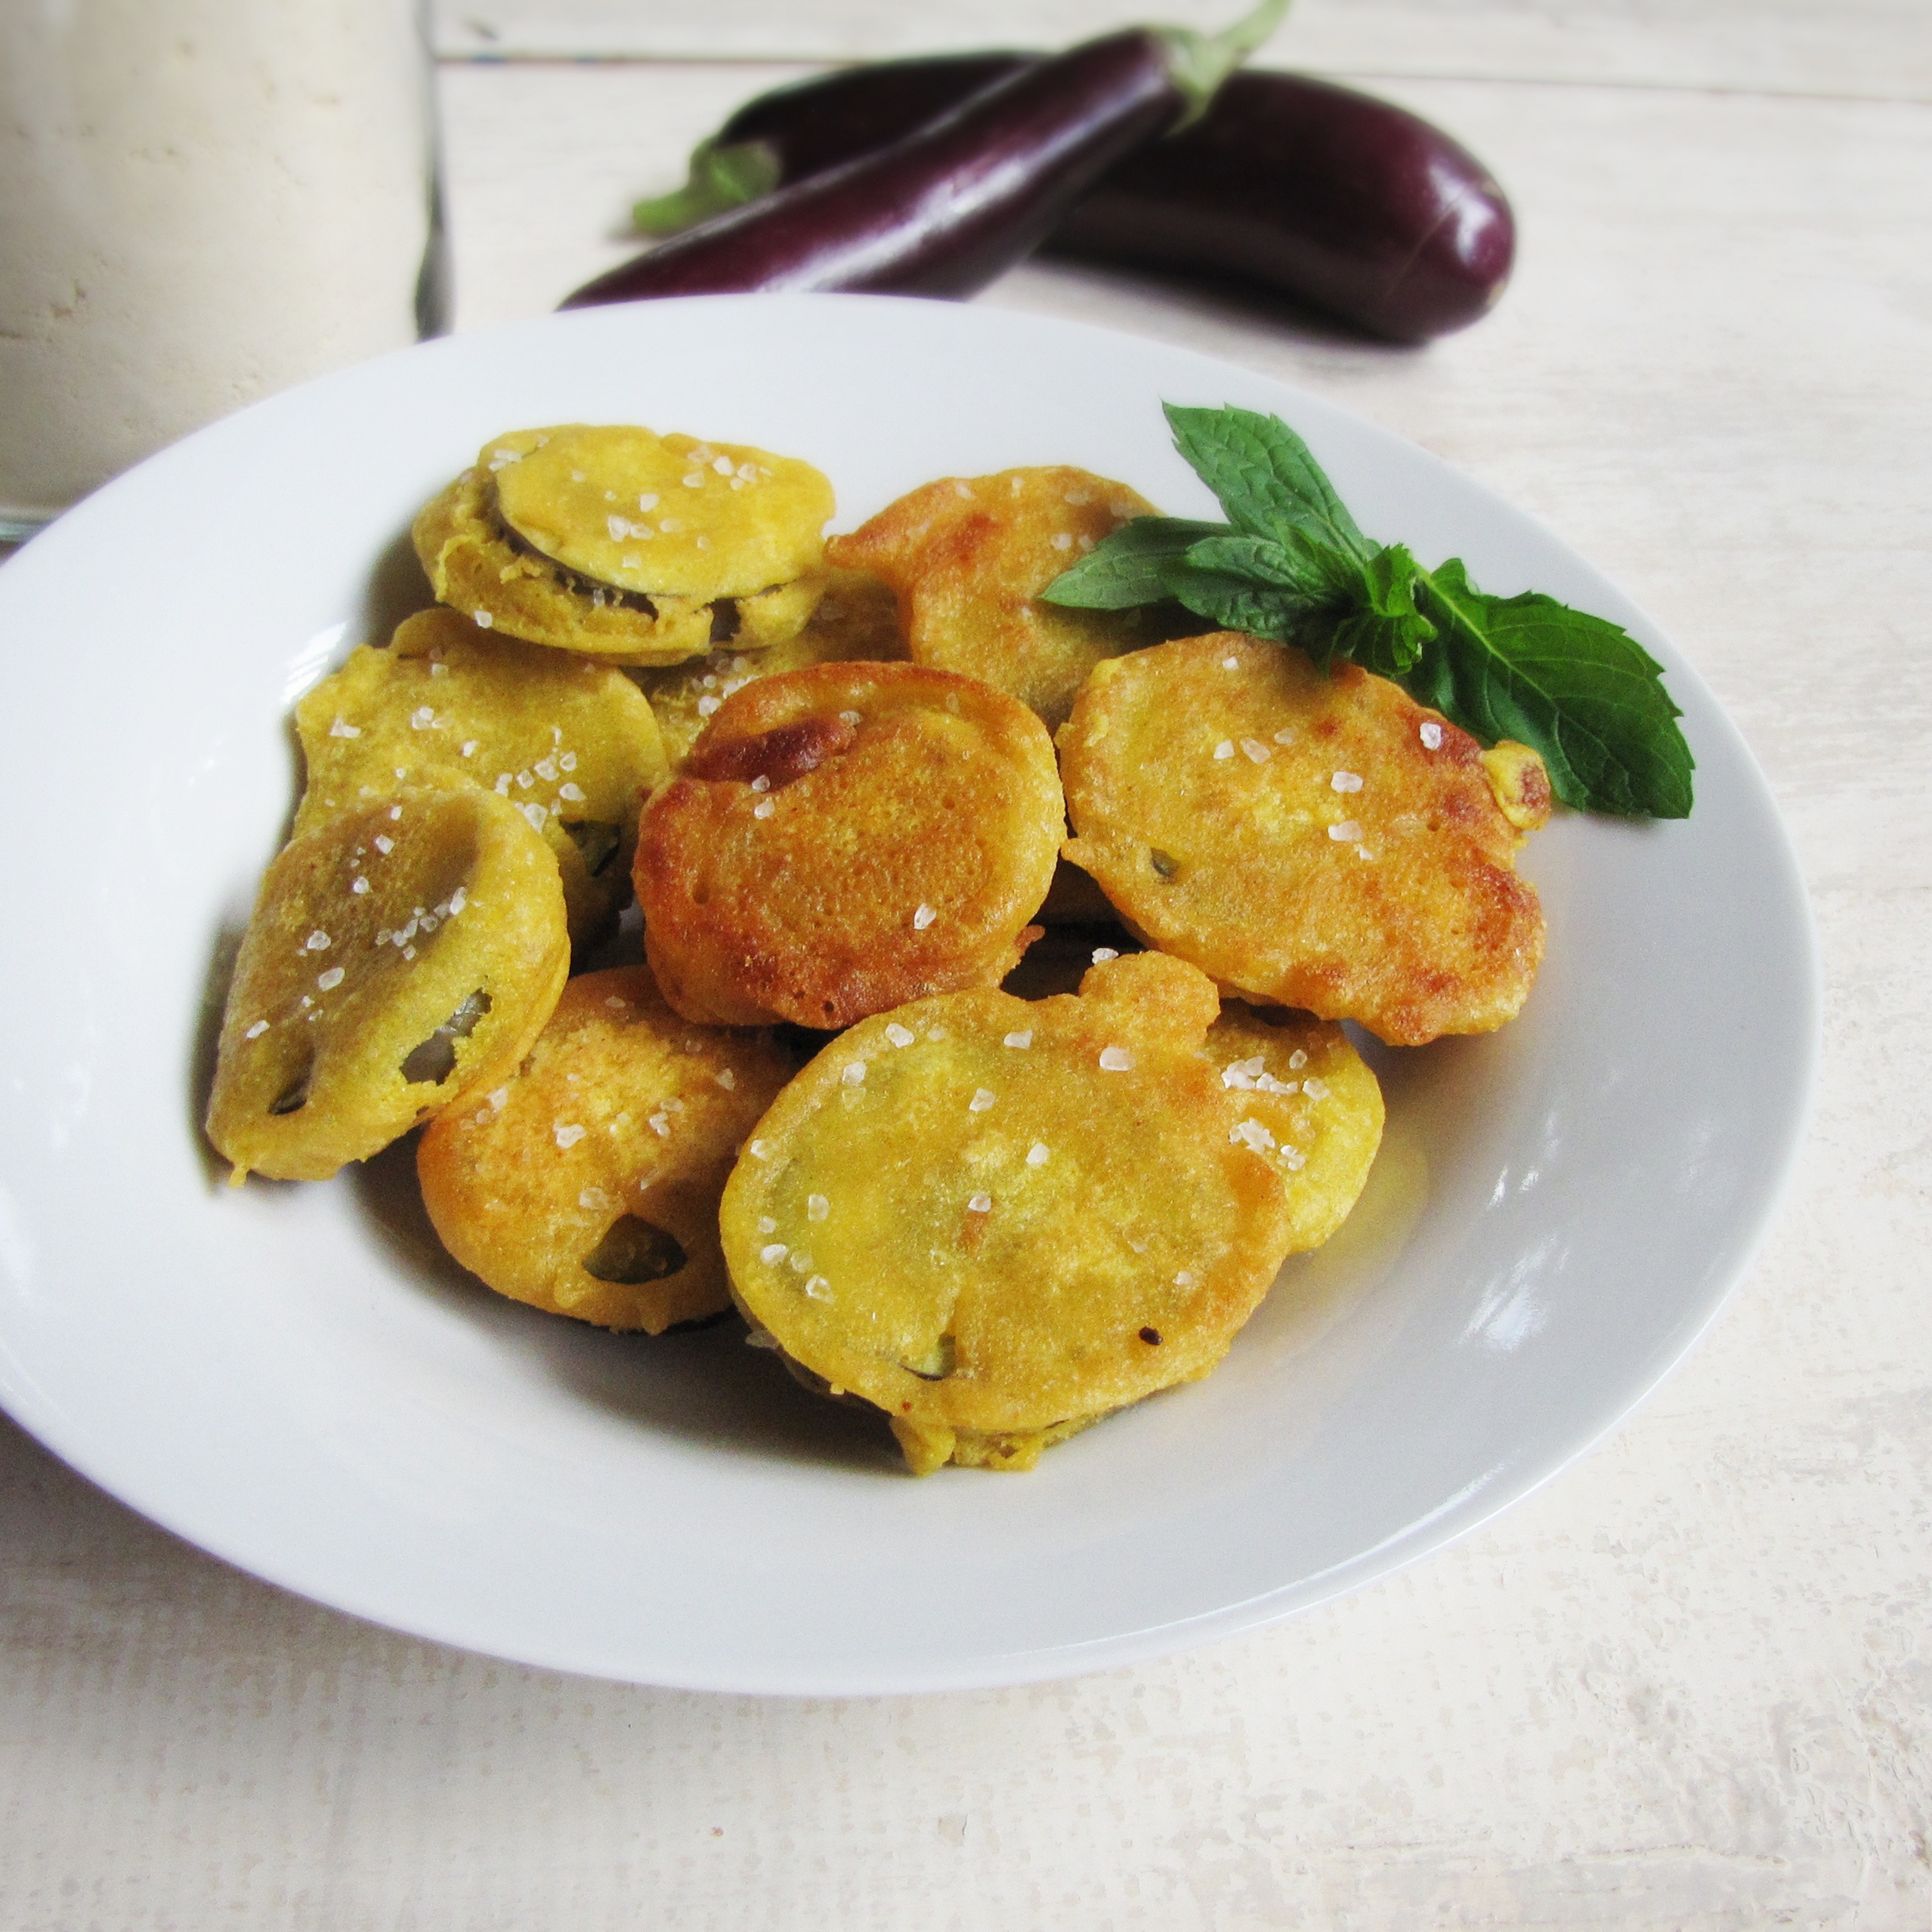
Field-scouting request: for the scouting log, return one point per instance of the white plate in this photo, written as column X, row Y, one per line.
column 292, row 1377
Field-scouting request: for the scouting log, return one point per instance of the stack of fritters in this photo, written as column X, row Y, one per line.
column 995, row 1218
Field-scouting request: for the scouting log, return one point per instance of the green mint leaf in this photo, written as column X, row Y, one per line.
column 1577, row 689
column 1263, row 475
column 1130, row 566
column 1234, row 603
column 1386, row 632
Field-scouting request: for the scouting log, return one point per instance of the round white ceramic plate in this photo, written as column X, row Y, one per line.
column 294, row 1378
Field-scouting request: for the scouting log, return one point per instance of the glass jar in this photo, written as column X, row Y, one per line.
column 201, row 202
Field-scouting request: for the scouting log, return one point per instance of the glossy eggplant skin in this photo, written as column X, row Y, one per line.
column 1318, row 191
column 941, row 211
column 1298, row 185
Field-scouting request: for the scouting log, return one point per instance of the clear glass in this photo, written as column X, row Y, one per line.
column 201, row 202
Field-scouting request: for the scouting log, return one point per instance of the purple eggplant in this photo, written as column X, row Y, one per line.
column 1297, row 185
column 944, row 210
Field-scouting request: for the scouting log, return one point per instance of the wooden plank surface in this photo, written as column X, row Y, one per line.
column 1684, row 1688
column 1879, row 49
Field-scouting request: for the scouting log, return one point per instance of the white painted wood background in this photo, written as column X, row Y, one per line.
column 1687, row 1685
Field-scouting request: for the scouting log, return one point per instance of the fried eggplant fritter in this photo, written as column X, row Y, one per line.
column 587, row 1182
column 1311, row 839
column 997, row 1220
column 632, row 547
column 857, row 620
column 845, row 838
column 969, row 558
column 572, row 744
column 398, row 956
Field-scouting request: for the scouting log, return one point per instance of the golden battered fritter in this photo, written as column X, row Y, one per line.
column 998, row 1219
column 398, row 956
column 969, row 558
column 572, row 744
column 587, row 1183
column 1317, row 840
column 629, row 546
column 857, row 620
column 844, row 839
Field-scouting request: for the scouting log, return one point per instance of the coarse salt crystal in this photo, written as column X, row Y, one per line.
column 982, row 1099
column 342, row 728
column 1345, row 781
column 359, row 885
column 1268, row 1084
column 536, row 814
column 1293, row 1158
column 766, row 1226
column 568, row 1137
column 470, row 746
column 1103, row 954
column 459, row 899
column 1036, row 1155
column 1023, row 1038
column 816, row 1208
column 759, row 1149
column 1185, row 1279
column 1062, row 539
column 772, row 1253
column 980, row 1204
column 330, row 980
column 1298, row 1059
column 570, row 792
column 849, row 718
column 1315, row 1090
column 922, row 917
column 900, row 1036
column 317, row 941
column 818, row 1288
column 725, row 1078
column 1231, row 663
column 764, row 809
column 1252, row 1133
column 1257, row 750
column 395, row 812
column 659, row 1124
column 648, row 501
column 256, row 1030
column 854, row 1072
column 1242, row 1073
column 1225, row 748
column 1346, row 833
column 617, row 1002
column 800, row 1261
column 545, row 769
column 1115, row 1059
column 482, row 619
column 708, row 704
column 1431, row 734
column 594, row 1198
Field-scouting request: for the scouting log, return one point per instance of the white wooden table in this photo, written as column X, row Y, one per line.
column 1687, row 1686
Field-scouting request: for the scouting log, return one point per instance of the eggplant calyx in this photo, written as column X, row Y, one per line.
column 721, row 176
column 1198, row 63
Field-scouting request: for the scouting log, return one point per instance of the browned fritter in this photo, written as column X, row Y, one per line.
column 1319, row 840
column 969, row 558
column 845, row 838
column 587, row 1182
column 856, row 617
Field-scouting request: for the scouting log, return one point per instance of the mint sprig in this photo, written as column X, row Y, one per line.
column 1291, row 564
